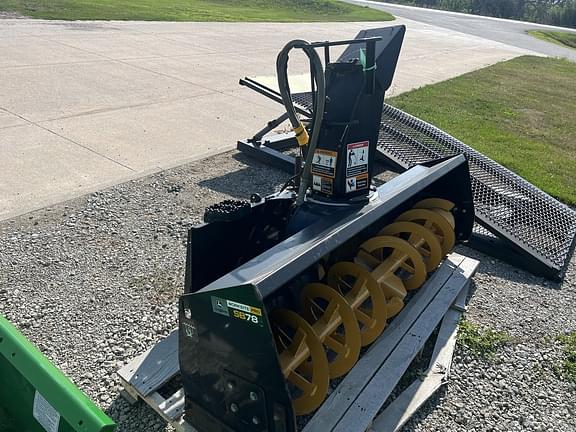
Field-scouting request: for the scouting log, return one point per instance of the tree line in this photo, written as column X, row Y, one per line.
column 554, row 12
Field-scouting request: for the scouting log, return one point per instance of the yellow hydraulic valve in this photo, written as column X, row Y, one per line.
column 301, row 135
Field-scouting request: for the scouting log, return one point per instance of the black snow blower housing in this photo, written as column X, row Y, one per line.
column 312, row 274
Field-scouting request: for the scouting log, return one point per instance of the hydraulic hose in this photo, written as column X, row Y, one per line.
column 320, row 99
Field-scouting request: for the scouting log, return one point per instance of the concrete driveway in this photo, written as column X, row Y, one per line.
column 84, row 105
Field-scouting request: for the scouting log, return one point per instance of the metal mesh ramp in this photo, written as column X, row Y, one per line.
column 538, row 231
column 530, row 220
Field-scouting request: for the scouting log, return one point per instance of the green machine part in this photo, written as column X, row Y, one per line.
column 35, row 396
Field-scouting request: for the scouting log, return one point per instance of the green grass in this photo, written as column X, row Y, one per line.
column 568, row 369
column 565, row 39
column 195, row 10
column 480, row 342
column 519, row 112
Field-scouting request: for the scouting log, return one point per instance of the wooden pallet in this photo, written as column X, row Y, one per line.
column 145, row 377
column 356, row 404
column 413, row 397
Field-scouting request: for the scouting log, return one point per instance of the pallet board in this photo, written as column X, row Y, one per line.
column 355, row 403
column 144, row 376
column 395, row 415
column 154, row 368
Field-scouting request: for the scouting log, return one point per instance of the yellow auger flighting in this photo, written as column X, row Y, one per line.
column 311, row 274
column 350, row 309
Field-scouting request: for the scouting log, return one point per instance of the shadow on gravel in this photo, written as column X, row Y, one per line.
column 136, row 417
column 262, row 179
column 429, row 407
column 494, row 267
column 472, row 287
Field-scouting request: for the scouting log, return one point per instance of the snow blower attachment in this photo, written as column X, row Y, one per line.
column 515, row 221
column 312, row 274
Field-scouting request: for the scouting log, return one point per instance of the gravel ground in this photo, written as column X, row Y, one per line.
column 519, row 389
column 93, row 282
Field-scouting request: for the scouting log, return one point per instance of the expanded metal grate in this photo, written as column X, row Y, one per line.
column 506, row 204
column 303, row 100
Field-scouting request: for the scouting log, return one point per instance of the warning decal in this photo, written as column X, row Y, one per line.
column 356, row 158
column 322, row 184
column 190, row 330
column 324, row 163
column 45, row 413
column 356, row 183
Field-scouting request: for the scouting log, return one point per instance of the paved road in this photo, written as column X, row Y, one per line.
column 84, row 105
column 505, row 31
